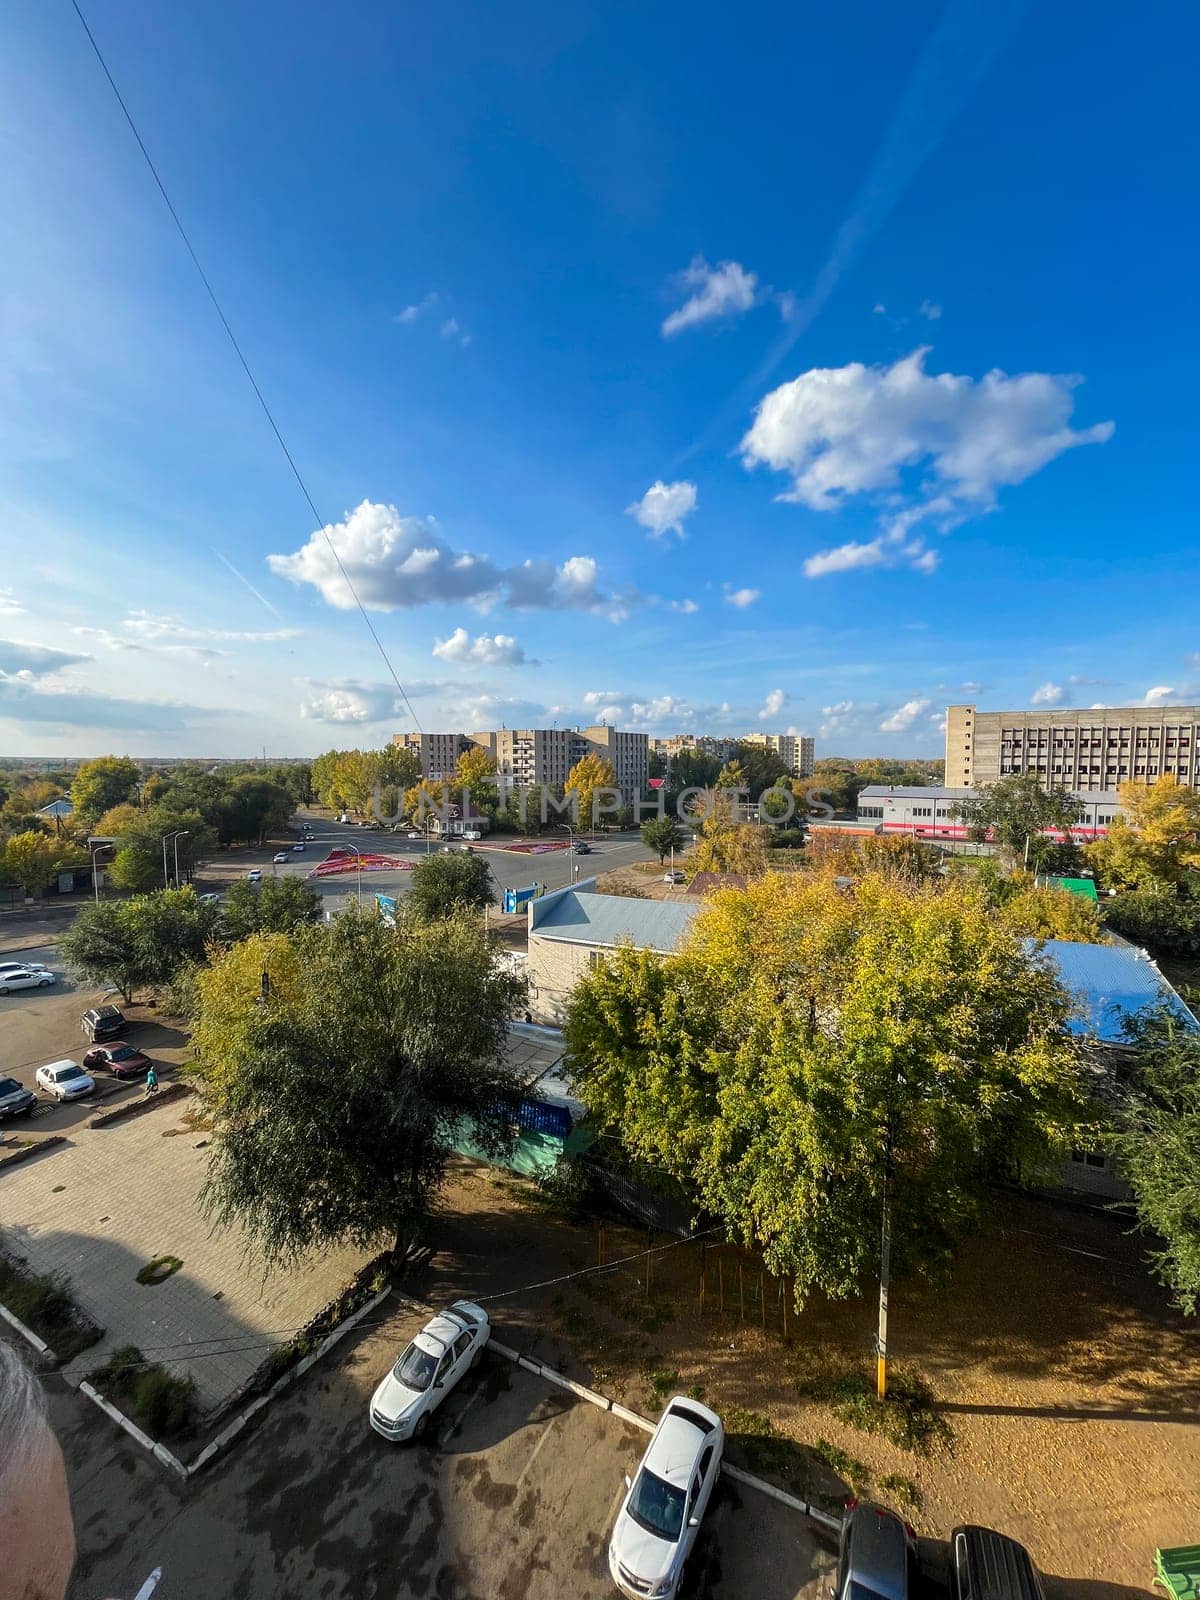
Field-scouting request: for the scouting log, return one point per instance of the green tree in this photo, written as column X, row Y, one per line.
column 1156, row 839
column 138, row 862
column 277, row 905
column 34, row 859
column 762, row 766
column 254, row 807
column 350, row 1090
column 663, row 834
column 732, row 776
column 812, row 1061
column 442, row 884
column 585, row 779
column 1015, row 812
column 135, row 944
column 1165, row 918
column 1157, row 1145
column 101, row 784
column 100, row 947
column 1049, row 913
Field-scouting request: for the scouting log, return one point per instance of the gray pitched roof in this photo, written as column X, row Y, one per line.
column 609, row 919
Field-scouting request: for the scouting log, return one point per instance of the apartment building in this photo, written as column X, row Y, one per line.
column 534, row 756
column 437, row 753
column 794, row 750
column 695, row 744
column 1087, row 750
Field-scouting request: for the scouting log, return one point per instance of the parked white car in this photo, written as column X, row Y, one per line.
column 446, row 1347
column 660, row 1516
column 22, row 966
column 26, row 978
column 65, row 1080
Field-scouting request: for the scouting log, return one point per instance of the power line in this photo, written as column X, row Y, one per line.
column 245, row 365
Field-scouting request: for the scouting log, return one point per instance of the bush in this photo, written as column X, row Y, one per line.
column 903, row 1490
column 45, row 1305
column 907, row 1417
column 856, row 1473
column 157, row 1400
column 1166, row 923
column 786, row 839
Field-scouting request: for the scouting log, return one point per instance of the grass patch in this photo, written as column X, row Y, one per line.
column 856, row 1473
column 160, row 1402
column 45, row 1305
column 907, row 1417
column 663, row 1382
column 902, row 1490
column 159, row 1270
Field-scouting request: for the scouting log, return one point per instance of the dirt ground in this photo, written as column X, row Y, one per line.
column 1072, row 1391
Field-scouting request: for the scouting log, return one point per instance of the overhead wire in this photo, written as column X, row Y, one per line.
column 245, row 365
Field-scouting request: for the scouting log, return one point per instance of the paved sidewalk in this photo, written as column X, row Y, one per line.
column 112, row 1199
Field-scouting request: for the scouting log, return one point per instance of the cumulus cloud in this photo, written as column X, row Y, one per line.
column 351, row 700
column 741, row 598
column 1047, row 694
column 30, row 661
column 646, row 713
column 923, row 447
column 397, row 562
column 726, row 290
column 687, row 608
column 772, row 705
column 1159, row 695
column 904, row 716
column 663, row 507
column 487, row 650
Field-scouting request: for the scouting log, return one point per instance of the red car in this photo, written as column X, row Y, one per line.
column 119, row 1058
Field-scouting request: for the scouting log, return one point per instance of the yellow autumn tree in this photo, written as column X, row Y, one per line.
column 1156, row 839
column 585, row 778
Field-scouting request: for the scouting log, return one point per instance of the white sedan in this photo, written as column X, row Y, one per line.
column 446, row 1347
column 659, row 1518
column 65, row 1080
column 281, row 858
column 26, row 978
column 22, row 966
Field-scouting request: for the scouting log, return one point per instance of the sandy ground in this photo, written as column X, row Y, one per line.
column 1072, row 1390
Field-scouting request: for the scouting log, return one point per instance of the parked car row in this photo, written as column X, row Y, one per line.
column 665, row 1500
column 13, row 977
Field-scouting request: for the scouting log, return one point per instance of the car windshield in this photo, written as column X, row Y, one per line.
column 9, row 1086
column 64, row 1073
column 123, row 1052
column 657, row 1506
column 415, row 1368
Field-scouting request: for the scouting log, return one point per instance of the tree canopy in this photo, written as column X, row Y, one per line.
column 277, row 905
column 662, row 834
column 101, row 784
column 33, row 859
column 808, row 1047
column 138, row 943
column 442, row 884
column 1015, row 812
column 337, row 1102
column 586, row 778
column 1156, row 839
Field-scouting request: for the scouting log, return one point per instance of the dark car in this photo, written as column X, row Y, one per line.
column 119, row 1058
column 103, row 1022
column 15, row 1099
column 582, row 848
column 990, row 1566
column 876, row 1554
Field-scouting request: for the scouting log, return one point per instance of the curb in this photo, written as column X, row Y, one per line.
column 159, row 1451
column 605, row 1403
column 24, row 1152
column 166, row 1096
column 40, row 1345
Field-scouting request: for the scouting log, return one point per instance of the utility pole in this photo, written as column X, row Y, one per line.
column 885, row 1272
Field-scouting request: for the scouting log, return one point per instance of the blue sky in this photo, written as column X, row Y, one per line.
column 663, row 365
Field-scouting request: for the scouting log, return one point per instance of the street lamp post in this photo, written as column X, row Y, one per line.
column 95, row 878
column 184, row 833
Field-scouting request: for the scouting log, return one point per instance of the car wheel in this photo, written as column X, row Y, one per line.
column 3, row 990
column 421, row 1426
column 43, row 983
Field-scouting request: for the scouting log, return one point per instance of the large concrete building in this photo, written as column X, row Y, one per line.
column 531, row 757
column 437, row 753
column 795, row 750
column 928, row 813
column 1099, row 748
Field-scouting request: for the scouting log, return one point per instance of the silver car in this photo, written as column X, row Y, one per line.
column 876, row 1554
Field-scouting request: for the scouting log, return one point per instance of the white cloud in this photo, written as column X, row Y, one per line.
column 923, row 446
column 152, row 625
column 851, row 557
column 452, row 328
column 351, row 700
column 29, row 661
column 741, row 598
column 23, row 701
column 1047, row 694
column 663, row 507
column 904, row 716
column 930, row 310
column 687, row 608
column 879, row 309
column 397, row 562
column 9, row 605
column 726, row 290
column 487, row 650
column 419, row 309
column 1159, row 695
column 772, row 705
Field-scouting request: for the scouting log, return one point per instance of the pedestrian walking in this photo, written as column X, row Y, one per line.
column 151, row 1081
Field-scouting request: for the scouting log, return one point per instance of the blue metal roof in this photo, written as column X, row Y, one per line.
column 1111, row 984
column 609, row 919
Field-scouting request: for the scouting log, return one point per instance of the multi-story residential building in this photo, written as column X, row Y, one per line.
column 437, row 753
column 531, row 757
column 1099, row 748
column 795, row 750
column 700, row 744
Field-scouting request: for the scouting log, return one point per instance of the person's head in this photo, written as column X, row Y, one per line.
column 39, row 1537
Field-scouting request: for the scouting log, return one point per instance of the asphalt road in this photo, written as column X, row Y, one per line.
column 514, row 1497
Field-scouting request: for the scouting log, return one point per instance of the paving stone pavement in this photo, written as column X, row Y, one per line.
column 101, row 1206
